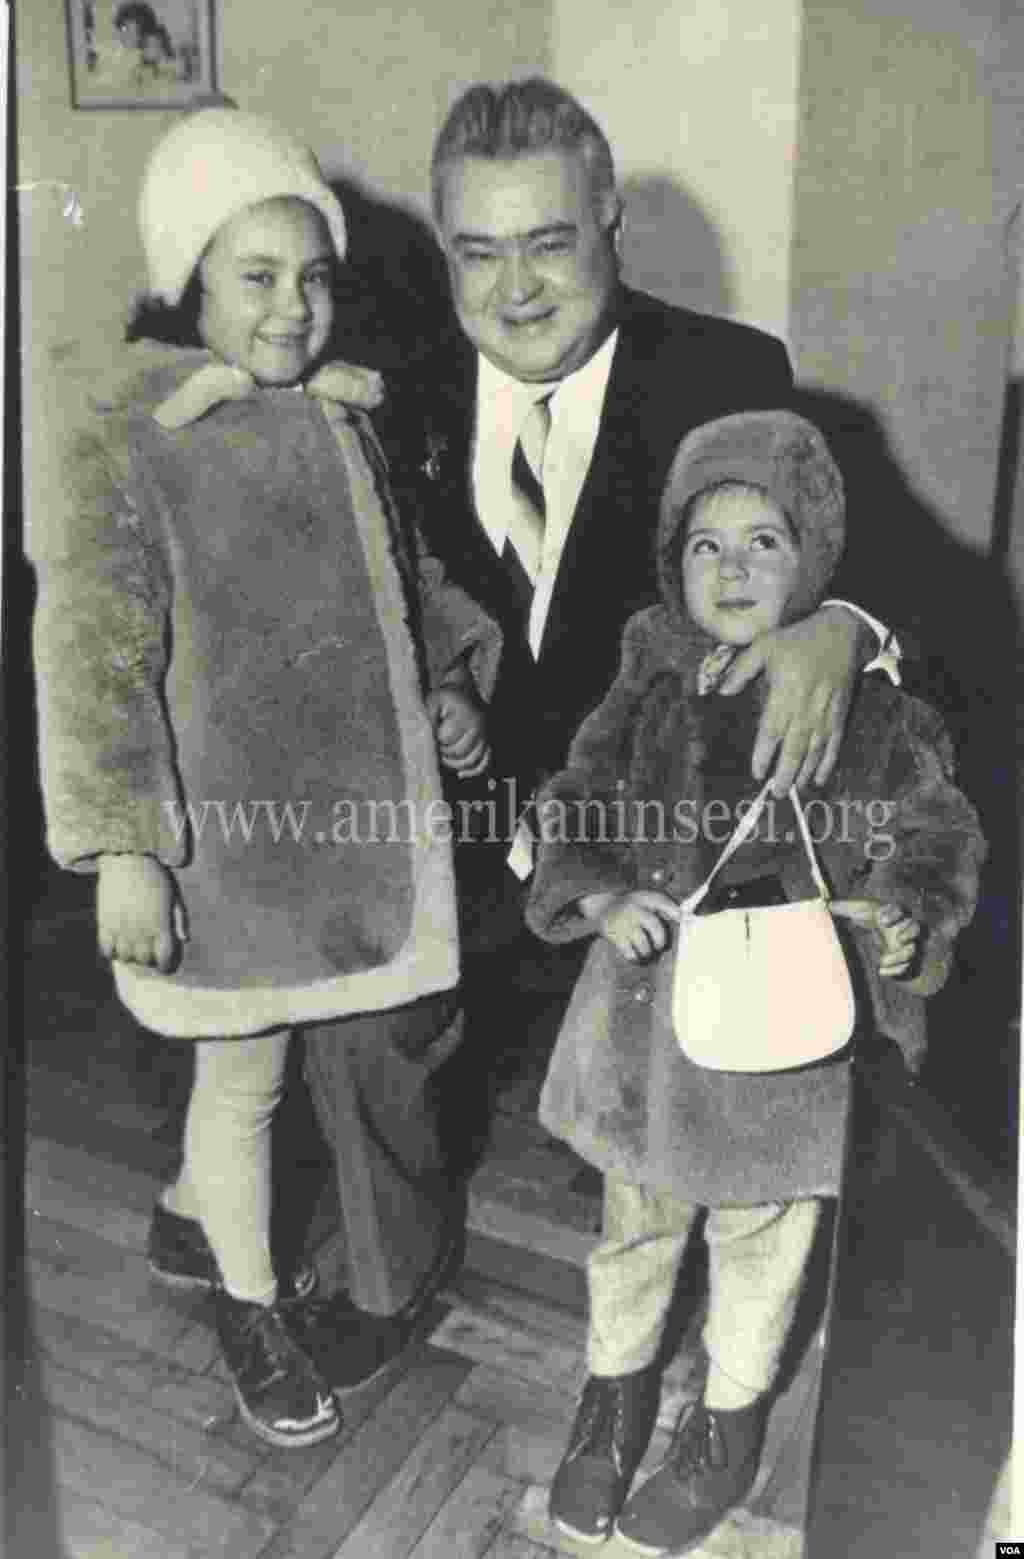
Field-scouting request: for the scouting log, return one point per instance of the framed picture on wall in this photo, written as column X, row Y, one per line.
column 140, row 53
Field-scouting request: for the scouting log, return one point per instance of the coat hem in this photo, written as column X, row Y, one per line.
column 601, row 1156
column 207, row 1012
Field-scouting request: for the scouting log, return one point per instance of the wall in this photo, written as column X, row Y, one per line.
column 368, row 84
column 877, row 250
column 901, row 288
column 699, row 101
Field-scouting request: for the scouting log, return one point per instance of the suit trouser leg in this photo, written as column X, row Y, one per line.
column 758, row 1256
column 371, row 1080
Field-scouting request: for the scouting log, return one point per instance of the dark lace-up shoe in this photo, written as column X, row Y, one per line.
column 179, row 1254
column 611, row 1432
column 710, row 1466
column 351, row 1346
column 281, row 1394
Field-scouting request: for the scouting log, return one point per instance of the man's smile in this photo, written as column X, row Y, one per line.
column 531, row 321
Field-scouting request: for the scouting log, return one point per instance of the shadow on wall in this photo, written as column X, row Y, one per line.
column 394, row 302
column 669, row 247
column 956, row 607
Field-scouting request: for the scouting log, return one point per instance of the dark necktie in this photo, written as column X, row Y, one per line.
column 526, row 531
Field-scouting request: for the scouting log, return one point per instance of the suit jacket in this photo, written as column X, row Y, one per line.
column 672, row 370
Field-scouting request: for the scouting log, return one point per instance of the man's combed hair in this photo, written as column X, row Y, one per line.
column 521, row 116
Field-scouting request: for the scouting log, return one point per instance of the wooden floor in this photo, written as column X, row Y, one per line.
column 123, row 1435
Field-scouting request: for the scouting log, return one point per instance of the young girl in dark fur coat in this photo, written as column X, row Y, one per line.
column 752, row 524
column 245, row 662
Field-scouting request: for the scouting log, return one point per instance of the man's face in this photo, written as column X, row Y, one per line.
column 532, row 260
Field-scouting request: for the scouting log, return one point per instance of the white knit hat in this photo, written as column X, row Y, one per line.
column 211, row 166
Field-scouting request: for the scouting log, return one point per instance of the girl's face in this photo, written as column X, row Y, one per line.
column 740, row 565
column 266, row 278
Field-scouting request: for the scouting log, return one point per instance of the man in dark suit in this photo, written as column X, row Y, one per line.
column 552, row 526
column 551, row 418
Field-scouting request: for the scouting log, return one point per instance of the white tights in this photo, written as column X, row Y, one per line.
column 225, row 1174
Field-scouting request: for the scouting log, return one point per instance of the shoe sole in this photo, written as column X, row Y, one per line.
column 382, row 1369
column 185, row 1284
column 181, row 1281
column 665, row 1552
column 592, row 1538
column 645, row 1549
column 299, row 1438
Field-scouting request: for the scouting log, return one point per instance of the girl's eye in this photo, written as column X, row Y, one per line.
column 477, row 256
column 553, row 246
column 259, row 278
column 703, row 546
column 764, row 541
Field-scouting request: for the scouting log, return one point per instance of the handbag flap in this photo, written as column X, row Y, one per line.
column 761, row 989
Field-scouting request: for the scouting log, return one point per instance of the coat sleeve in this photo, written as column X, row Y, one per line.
column 929, row 851
column 100, row 644
column 456, row 630
column 583, row 813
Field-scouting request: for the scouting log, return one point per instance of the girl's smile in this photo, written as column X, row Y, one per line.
column 267, row 300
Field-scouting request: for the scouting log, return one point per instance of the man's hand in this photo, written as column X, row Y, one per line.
column 635, row 923
column 811, row 668
column 135, row 911
column 896, row 932
column 458, row 722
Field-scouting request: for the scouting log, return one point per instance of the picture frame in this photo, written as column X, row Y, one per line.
column 156, row 54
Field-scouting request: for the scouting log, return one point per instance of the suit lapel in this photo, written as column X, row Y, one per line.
column 638, row 422
column 641, row 420
column 451, row 418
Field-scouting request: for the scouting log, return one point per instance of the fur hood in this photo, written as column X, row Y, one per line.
column 787, row 458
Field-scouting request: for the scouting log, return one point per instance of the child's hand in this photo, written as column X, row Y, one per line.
column 135, row 911
column 895, row 932
column 635, row 923
column 458, row 722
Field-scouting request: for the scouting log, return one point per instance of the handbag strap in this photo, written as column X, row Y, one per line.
column 741, row 833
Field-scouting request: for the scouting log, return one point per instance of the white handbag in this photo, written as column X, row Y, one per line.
column 762, row 989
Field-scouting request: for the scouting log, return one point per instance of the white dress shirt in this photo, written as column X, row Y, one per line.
column 501, row 406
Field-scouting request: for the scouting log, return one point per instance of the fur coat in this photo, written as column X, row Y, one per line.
column 233, row 620
column 619, row 1090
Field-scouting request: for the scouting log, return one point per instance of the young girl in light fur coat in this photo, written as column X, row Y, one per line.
column 234, row 619
column 751, row 528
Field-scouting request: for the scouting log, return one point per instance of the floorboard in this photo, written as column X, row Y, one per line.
column 129, row 1444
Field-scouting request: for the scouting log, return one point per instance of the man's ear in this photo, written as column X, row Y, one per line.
column 613, row 218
